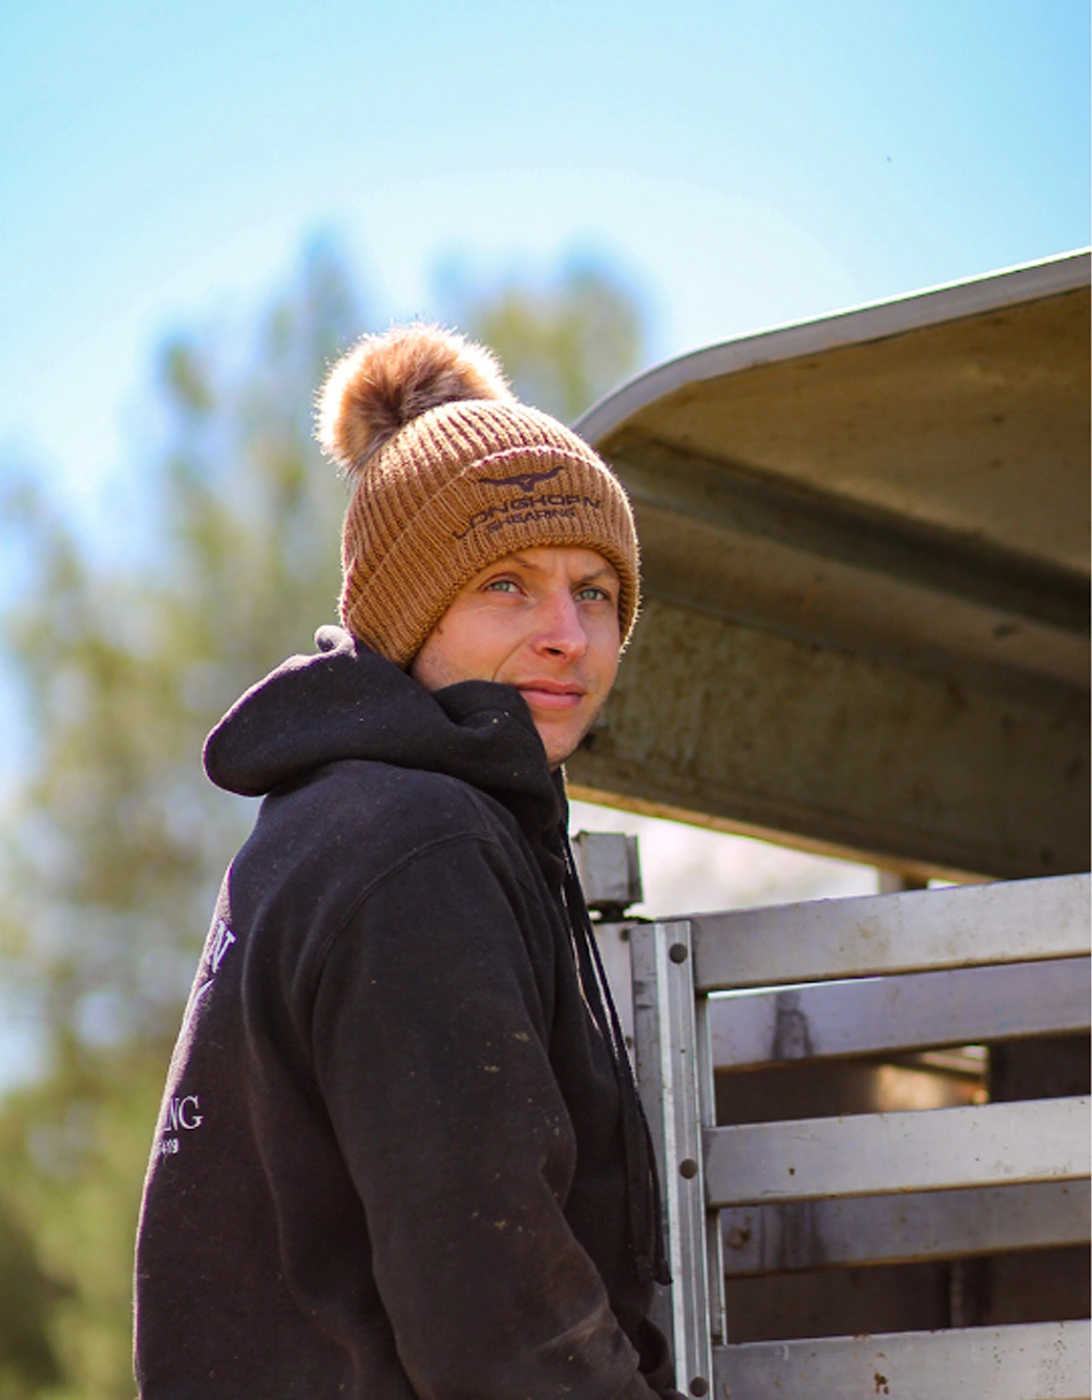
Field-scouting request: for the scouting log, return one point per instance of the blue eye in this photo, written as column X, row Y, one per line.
column 502, row 585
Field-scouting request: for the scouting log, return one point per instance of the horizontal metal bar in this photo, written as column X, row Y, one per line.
column 1029, row 1361
column 903, row 1229
column 965, row 926
column 876, row 1154
column 914, row 1011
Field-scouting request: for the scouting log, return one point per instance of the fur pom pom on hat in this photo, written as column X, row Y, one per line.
column 450, row 473
column 389, row 380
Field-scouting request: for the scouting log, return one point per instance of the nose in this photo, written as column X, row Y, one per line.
column 561, row 633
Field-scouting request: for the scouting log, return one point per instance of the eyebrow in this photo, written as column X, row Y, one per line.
column 607, row 571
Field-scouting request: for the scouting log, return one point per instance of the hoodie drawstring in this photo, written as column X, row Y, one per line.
column 642, row 1179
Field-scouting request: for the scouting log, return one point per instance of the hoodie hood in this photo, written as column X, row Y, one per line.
column 347, row 702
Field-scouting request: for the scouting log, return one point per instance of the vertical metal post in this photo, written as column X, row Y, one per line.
column 666, row 1036
column 707, row 1114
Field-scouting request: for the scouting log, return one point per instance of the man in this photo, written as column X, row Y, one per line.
column 400, row 1152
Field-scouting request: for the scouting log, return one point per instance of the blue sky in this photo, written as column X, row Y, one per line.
column 745, row 163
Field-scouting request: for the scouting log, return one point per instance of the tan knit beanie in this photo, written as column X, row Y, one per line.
column 449, row 473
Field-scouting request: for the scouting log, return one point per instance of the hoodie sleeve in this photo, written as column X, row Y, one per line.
column 431, row 1046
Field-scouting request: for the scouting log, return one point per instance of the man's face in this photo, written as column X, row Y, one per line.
column 544, row 620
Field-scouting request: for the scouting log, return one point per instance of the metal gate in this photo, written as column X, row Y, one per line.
column 860, row 976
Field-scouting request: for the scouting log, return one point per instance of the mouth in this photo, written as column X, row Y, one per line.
column 551, row 695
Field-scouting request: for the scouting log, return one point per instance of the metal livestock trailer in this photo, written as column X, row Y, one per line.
column 866, row 632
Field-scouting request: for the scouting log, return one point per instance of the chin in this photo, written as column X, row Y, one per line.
column 556, row 748
column 559, row 750
column 561, row 741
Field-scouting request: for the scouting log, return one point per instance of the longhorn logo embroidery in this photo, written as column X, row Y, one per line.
column 524, row 480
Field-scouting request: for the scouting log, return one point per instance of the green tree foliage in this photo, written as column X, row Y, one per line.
column 28, row 1358
column 109, row 866
column 125, row 668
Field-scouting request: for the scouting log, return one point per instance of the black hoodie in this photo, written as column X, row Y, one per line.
column 391, row 1160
